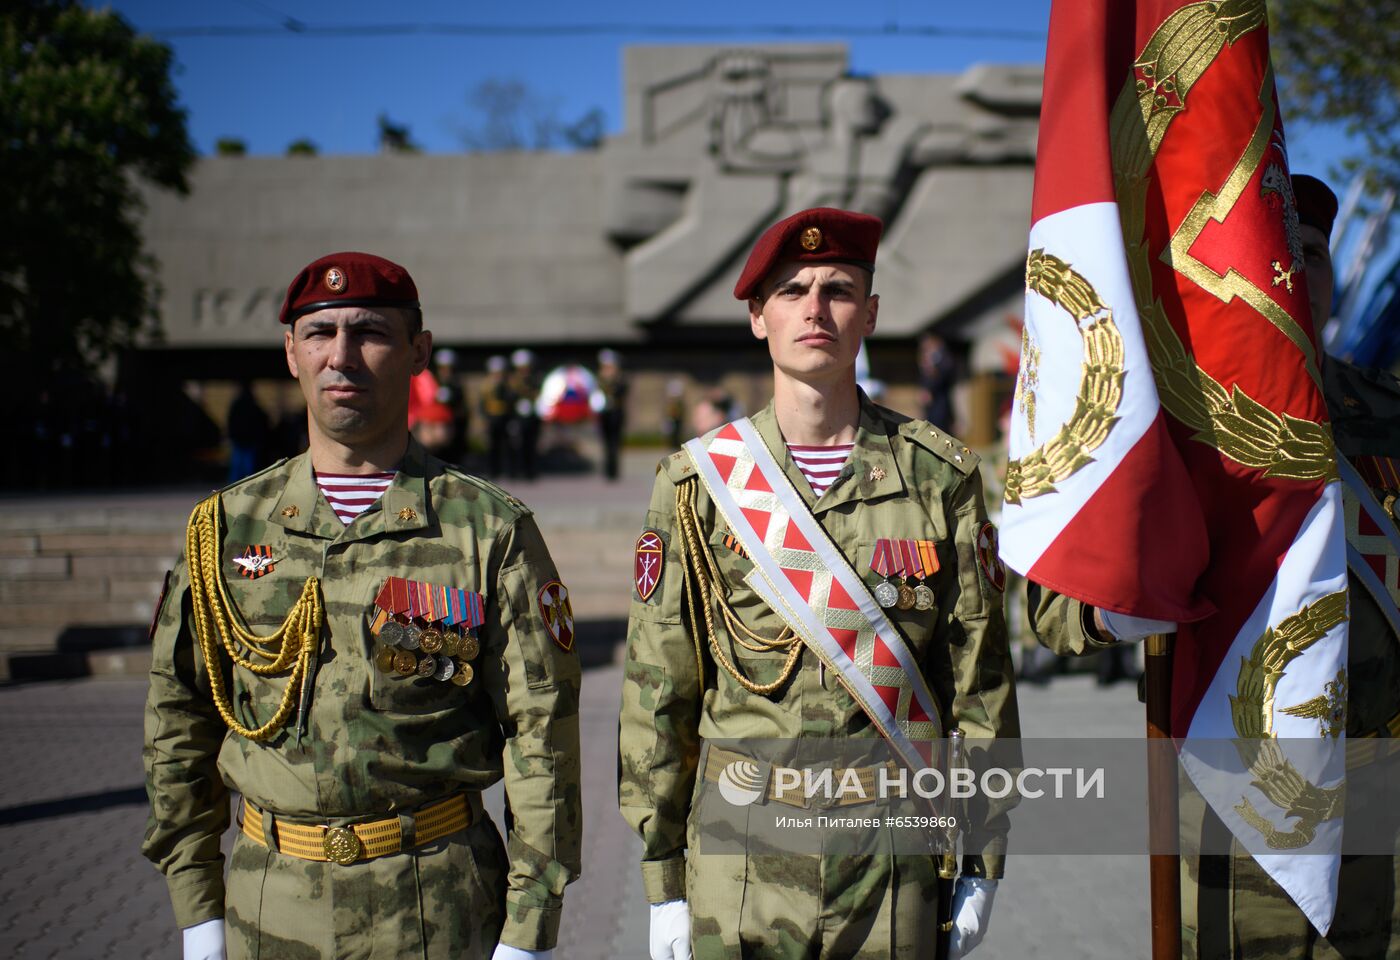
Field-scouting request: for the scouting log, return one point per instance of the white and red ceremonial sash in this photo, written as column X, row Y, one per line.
column 1373, row 544
column 1169, row 451
column 808, row 582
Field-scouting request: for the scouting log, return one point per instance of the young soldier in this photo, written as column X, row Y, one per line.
column 1230, row 906
column 862, row 498
column 359, row 641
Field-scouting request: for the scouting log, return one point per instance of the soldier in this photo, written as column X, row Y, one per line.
column 497, row 409
column 708, row 658
column 1230, row 906
column 525, row 388
column 610, row 403
column 359, row 641
column 451, row 395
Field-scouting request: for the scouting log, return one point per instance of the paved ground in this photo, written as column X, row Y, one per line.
column 72, row 805
column 72, row 810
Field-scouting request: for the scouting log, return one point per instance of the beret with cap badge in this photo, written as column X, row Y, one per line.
column 348, row 279
column 819, row 235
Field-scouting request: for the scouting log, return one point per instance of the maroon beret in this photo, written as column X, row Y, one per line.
column 820, row 235
column 1317, row 204
column 348, row 280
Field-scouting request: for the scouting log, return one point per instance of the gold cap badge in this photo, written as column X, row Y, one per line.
column 811, row 238
column 335, row 280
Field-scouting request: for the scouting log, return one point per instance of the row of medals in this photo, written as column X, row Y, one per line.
column 441, row 653
column 901, row 596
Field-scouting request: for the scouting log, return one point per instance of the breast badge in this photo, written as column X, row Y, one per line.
column 256, row 561
column 647, row 564
column 558, row 613
column 426, row 630
column 732, row 542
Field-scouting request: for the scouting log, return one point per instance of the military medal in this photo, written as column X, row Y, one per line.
column 435, row 621
column 431, row 640
column 904, row 566
column 882, row 562
column 906, row 597
column 384, row 660
column 923, row 598
column 391, row 633
column 928, row 566
column 464, row 674
column 405, row 663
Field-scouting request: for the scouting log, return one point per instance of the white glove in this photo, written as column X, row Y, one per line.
column 205, row 941
column 670, row 931
column 505, row 951
column 972, row 912
column 1124, row 627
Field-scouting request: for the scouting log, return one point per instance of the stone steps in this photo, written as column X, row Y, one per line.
column 80, row 575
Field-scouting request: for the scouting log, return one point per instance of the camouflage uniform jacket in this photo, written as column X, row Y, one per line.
column 905, row 479
column 1364, row 406
column 376, row 743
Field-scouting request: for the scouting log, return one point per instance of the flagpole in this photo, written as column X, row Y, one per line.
column 1162, row 814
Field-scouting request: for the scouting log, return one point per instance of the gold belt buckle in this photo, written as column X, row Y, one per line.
column 342, row 846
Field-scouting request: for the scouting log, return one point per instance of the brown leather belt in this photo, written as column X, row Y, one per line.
column 717, row 758
column 360, row 841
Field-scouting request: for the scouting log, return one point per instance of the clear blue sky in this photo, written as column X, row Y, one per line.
column 269, row 85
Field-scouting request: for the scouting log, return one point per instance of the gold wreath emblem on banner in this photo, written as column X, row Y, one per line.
column 1100, row 381
column 1229, row 421
column 1252, row 709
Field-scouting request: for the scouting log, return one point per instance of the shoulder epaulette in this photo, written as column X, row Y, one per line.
column 490, row 488
column 943, row 445
column 677, row 467
column 252, row 476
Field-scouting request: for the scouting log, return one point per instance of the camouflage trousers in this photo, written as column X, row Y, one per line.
column 1232, row 910
column 443, row 900
column 812, row 907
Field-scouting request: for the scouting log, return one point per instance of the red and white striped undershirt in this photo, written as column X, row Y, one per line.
column 351, row 494
column 820, row 465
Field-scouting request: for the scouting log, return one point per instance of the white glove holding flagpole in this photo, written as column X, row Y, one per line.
column 505, row 951
column 1121, row 626
column 204, row 941
column 670, row 931
column 972, row 912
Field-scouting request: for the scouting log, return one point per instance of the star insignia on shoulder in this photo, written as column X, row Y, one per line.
column 407, row 514
column 291, row 511
column 877, row 474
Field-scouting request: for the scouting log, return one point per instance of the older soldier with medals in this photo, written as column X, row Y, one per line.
column 810, row 574
column 1230, row 907
column 359, row 641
